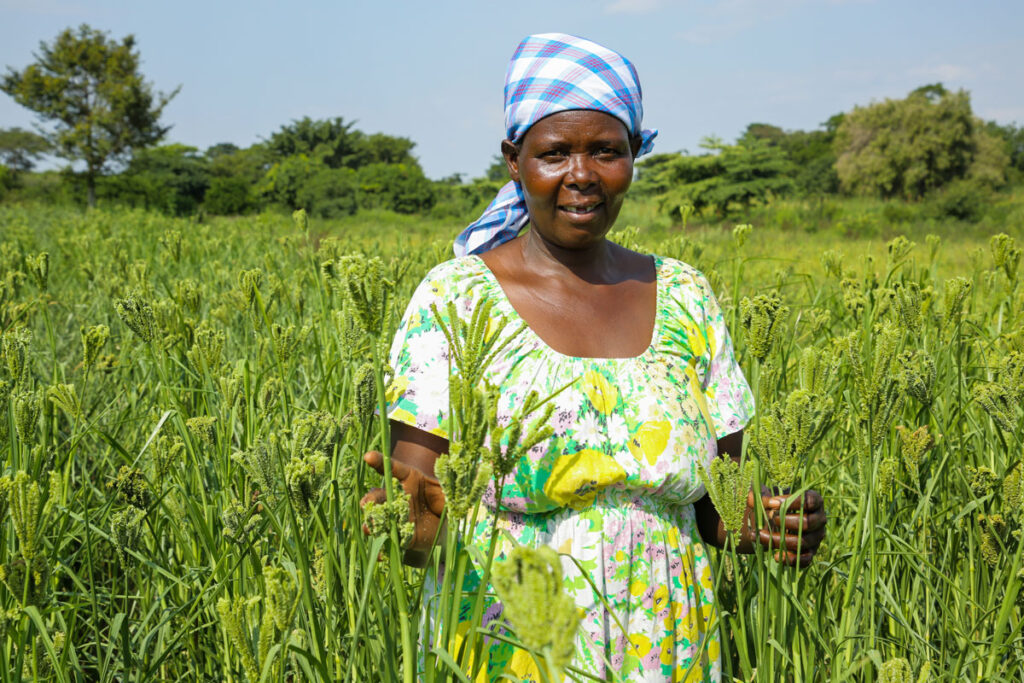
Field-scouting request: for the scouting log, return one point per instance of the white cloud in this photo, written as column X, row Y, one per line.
column 632, row 6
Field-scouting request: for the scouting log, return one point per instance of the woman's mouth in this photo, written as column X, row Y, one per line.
column 580, row 209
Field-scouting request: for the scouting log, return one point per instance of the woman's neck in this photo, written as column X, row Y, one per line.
column 595, row 263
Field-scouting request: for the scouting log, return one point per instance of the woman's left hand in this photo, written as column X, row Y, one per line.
column 803, row 521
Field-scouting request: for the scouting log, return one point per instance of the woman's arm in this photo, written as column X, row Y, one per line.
column 413, row 454
column 804, row 521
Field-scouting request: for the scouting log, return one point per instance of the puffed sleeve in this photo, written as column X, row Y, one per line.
column 729, row 400
column 418, row 392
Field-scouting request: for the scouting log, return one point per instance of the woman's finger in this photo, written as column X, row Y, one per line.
column 802, row 560
column 375, row 459
column 809, row 502
column 798, row 522
column 791, row 542
column 374, row 496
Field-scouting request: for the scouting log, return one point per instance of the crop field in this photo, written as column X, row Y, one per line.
column 184, row 406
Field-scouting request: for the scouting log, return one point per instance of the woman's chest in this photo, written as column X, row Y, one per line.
column 632, row 424
column 586, row 320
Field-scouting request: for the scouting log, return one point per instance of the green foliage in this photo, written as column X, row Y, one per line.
column 20, row 149
column 337, row 144
column 961, row 199
column 90, row 87
column 400, row 187
column 172, row 179
column 497, row 172
column 909, row 147
column 228, row 195
column 331, row 141
column 1012, row 138
column 726, row 181
column 329, row 193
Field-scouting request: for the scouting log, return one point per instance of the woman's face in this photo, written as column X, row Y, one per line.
column 574, row 168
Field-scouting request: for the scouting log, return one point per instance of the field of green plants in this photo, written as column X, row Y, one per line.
column 183, row 407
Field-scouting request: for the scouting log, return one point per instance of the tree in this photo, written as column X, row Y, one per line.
column 909, row 147
column 330, row 141
column 337, row 144
column 171, row 178
column 20, row 149
column 728, row 179
column 90, row 87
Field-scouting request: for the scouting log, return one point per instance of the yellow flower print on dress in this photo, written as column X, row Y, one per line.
column 694, row 339
column 523, row 667
column 641, row 644
column 576, row 478
column 396, row 388
column 660, row 598
column 650, row 440
column 602, row 394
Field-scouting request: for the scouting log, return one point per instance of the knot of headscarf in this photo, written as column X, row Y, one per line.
column 549, row 73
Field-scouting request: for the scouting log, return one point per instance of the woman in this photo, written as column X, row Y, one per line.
column 655, row 391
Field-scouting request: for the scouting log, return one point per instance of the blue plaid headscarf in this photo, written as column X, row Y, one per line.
column 549, row 73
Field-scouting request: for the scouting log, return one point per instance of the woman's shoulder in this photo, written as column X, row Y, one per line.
column 680, row 276
column 456, row 270
column 453, row 279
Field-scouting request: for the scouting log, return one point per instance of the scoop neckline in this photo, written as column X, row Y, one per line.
column 655, row 333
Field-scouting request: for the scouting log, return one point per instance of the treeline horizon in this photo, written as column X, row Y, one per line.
column 928, row 145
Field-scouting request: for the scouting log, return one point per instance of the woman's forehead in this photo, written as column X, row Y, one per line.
column 577, row 123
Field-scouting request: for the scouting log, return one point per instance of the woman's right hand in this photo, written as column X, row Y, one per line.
column 426, row 503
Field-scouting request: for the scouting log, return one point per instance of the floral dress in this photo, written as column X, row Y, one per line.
column 614, row 486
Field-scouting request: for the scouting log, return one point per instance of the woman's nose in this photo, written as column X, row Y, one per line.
column 580, row 172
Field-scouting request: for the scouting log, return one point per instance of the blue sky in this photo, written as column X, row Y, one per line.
column 433, row 71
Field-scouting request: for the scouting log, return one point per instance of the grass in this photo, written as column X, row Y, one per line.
column 190, row 511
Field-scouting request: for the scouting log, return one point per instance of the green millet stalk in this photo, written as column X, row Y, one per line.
column 207, row 347
column 65, row 397
column 203, row 428
column 998, row 403
column 39, row 267
column 26, row 414
column 94, row 338
column 24, row 498
column 138, row 315
column 281, row 596
column 761, row 317
column 259, row 463
column 189, row 295
column 898, row 249
column 955, row 292
column 728, row 485
column 544, row 617
column 895, row 671
column 913, row 445
column 232, row 614
column 304, row 476
column 125, row 531
column 15, row 353
column 317, row 431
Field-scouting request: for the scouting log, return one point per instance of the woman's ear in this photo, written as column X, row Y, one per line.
column 510, row 151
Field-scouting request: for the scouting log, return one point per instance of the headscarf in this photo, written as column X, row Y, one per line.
column 549, row 73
